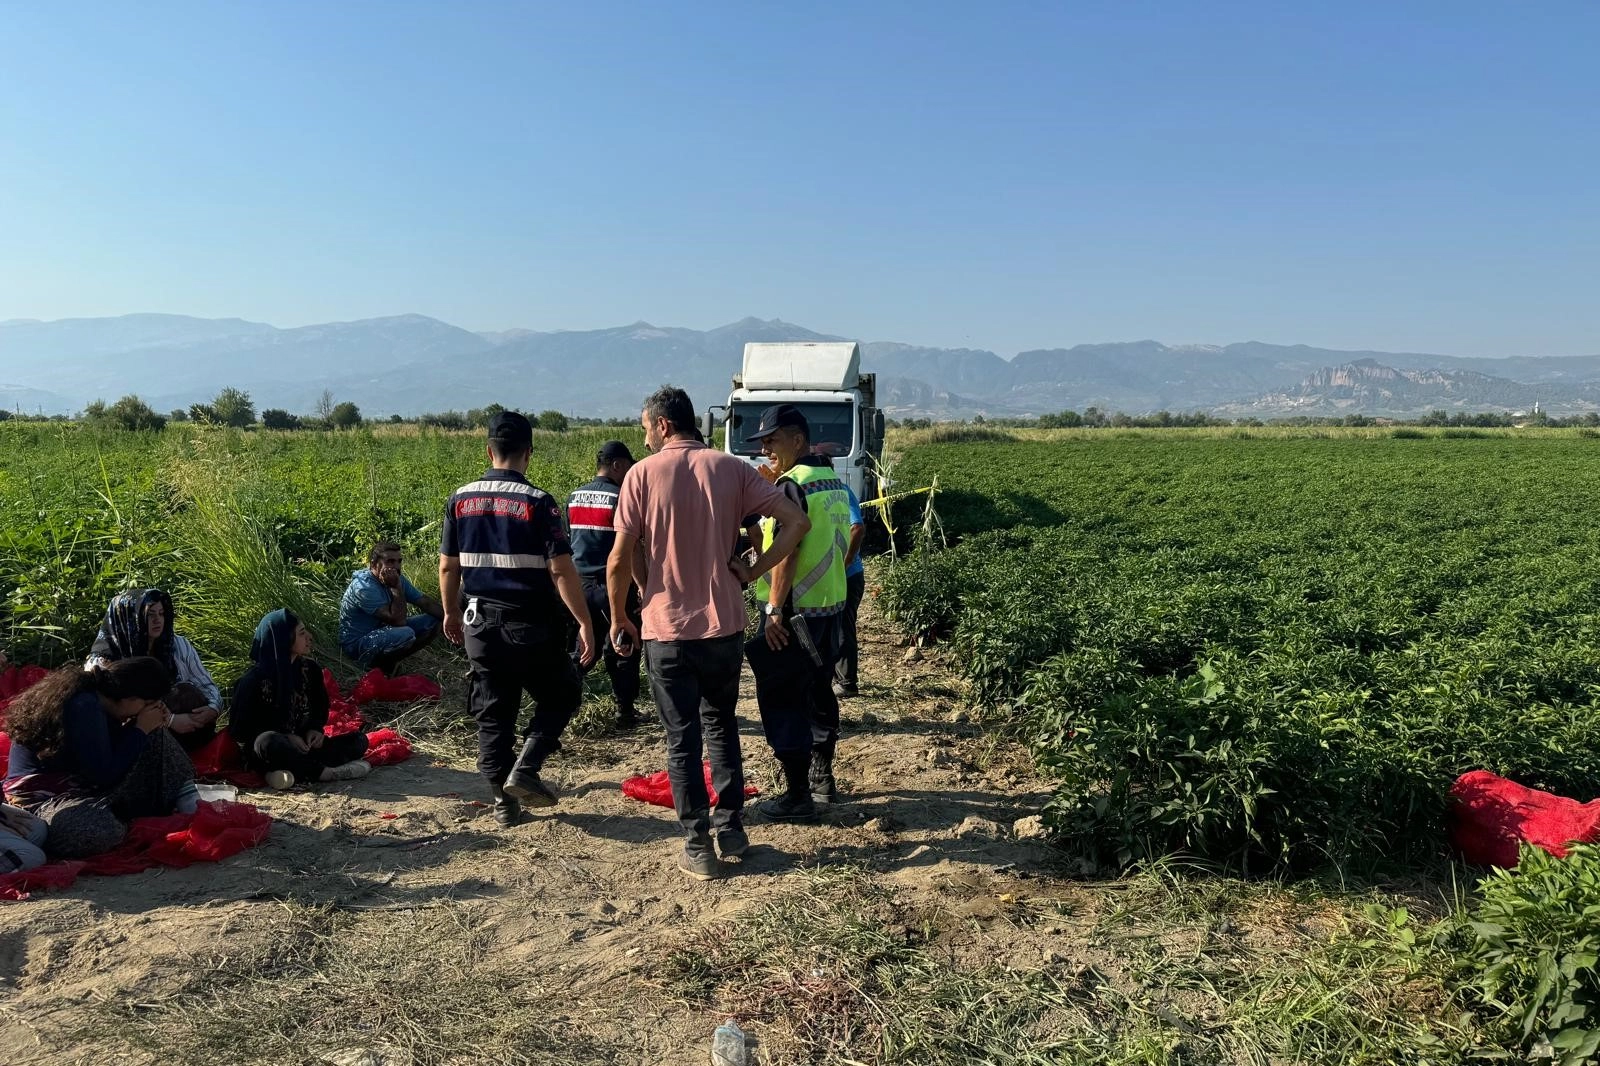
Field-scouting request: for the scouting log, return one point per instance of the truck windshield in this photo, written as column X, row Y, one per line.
column 832, row 427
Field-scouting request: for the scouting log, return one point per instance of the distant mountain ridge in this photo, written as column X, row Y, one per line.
column 409, row 364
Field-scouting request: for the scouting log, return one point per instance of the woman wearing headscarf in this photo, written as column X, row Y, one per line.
column 140, row 622
column 280, row 708
column 90, row 750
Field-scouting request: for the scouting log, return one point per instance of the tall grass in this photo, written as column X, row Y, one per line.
column 234, row 572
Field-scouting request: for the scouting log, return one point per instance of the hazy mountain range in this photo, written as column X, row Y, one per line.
column 409, row 364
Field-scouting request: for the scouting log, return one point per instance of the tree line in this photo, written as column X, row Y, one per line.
column 1094, row 418
column 233, row 407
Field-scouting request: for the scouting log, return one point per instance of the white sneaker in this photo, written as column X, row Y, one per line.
column 349, row 771
column 280, row 779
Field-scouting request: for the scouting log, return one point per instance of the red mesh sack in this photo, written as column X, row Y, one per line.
column 5, row 754
column 343, row 717
column 385, row 747
column 657, row 789
column 51, row 875
column 217, row 831
column 1492, row 816
column 14, row 680
column 408, row 688
column 218, row 757
column 223, row 760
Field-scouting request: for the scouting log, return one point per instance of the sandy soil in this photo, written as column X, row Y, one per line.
column 572, row 903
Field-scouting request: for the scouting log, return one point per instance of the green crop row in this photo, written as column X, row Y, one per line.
column 1272, row 653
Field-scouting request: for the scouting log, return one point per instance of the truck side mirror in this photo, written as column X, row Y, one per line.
column 877, row 426
column 708, row 421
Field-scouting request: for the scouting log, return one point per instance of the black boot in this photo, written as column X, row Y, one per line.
column 795, row 804
column 524, row 783
column 507, row 811
column 627, row 718
column 820, row 777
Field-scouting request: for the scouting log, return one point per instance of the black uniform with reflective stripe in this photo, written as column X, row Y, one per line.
column 505, row 532
column 591, row 512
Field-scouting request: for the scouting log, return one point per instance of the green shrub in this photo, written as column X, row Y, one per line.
column 922, row 592
column 1531, row 951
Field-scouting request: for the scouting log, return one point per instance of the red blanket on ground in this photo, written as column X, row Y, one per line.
column 214, row 831
column 655, row 788
column 1493, row 816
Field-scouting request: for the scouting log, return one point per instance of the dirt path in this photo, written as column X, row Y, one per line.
column 435, row 936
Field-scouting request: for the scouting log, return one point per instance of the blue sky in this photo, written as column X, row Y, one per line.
column 1403, row 176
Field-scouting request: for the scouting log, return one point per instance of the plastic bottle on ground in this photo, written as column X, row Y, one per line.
column 728, row 1046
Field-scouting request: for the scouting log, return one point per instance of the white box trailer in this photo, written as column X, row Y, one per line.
column 824, row 380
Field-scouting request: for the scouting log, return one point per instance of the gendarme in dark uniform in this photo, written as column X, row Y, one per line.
column 591, row 511
column 509, row 587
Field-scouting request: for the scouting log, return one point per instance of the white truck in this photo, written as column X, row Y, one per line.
column 824, row 380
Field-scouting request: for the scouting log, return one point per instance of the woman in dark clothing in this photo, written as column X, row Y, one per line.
column 90, row 750
column 141, row 623
column 280, row 708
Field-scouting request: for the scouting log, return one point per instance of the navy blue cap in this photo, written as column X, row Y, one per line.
column 511, row 431
column 611, row 451
column 777, row 417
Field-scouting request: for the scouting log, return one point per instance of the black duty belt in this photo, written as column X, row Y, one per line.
column 479, row 612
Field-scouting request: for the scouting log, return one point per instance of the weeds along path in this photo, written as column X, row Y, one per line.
column 435, row 937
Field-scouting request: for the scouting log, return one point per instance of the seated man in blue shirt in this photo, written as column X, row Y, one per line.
column 373, row 627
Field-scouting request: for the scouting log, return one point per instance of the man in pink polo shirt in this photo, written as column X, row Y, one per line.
column 683, row 508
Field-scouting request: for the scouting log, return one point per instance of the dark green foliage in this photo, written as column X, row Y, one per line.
column 1529, row 954
column 1272, row 652
column 232, row 407
column 130, row 413
column 345, row 416
column 277, row 418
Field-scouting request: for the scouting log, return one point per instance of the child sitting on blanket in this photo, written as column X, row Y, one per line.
column 280, row 709
column 90, row 751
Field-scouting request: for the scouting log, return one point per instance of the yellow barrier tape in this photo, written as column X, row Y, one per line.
column 884, row 501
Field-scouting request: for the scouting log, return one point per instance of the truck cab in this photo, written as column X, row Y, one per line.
column 822, row 379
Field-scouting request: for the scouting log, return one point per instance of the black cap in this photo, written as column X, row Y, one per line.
column 511, row 431
column 611, row 451
column 776, row 417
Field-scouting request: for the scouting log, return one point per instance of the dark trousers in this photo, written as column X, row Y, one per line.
column 855, row 587
column 622, row 670
column 509, row 658
column 799, row 712
column 696, row 688
column 184, row 698
column 276, row 751
column 87, row 824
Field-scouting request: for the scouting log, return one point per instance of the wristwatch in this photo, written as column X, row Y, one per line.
column 771, row 610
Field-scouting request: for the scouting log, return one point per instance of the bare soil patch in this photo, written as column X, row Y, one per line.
column 436, row 936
